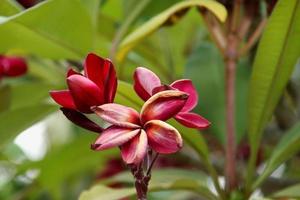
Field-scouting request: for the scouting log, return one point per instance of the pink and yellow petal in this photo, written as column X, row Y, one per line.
column 134, row 151
column 162, row 137
column 118, row 115
column 114, row 136
column 163, row 105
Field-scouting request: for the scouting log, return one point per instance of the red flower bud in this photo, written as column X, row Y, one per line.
column 12, row 66
column 27, row 3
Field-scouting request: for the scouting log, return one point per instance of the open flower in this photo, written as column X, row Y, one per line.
column 12, row 66
column 147, row 83
column 135, row 132
column 96, row 87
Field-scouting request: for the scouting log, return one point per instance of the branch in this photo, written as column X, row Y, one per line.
column 254, row 37
column 215, row 30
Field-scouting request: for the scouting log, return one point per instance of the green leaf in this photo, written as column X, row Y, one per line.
column 288, row 146
column 47, row 30
column 206, row 69
column 12, row 122
column 63, row 158
column 104, row 192
column 165, row 179
column 170, row 14
column 26, row 94
column 5, row 97
column 127, row 96
column 9, row 7
column 290, row 192
column 274, row 62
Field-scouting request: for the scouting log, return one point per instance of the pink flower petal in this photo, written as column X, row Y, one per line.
column 163, row 138
column 63, row 98
column 163, row 105
column 72, row 72
column 144, row 82
column 97, row 69
column 134, row 151
column 114, row 136
column 85, row 93
column 187, row 86
column 161, row 88
column 192, row 120
column 118, row 115
column 81, row 120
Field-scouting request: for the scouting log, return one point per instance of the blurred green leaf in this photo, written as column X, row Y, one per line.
column 47, row 30
column 170, row 14
column 288, row 146
column 70, row 160
column 9, row 7
column 104, row 192
column 290, row 192
column 274, row 62
column 5, row 97
column 127, row 96
column 12, row 122
column 164, row 179
column 26, row 94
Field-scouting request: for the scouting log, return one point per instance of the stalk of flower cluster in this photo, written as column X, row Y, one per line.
column 142, row 178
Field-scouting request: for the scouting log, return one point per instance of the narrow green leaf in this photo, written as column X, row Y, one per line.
column 13, row 122
column 288, row 146
column 104, row 192
column 47, row 30
column 290, row 192
column 9, row 7
column 165, row 179
column 5, row 97
column 127, row 96
column 274, row 62
column 170, row 14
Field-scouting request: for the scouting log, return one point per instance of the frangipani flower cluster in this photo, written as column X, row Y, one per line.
column 133, row 132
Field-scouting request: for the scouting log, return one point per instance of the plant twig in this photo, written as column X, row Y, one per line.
column 215, row 30
column 148, row 173
column 254, row 37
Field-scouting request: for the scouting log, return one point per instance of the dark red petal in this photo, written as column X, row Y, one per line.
column 63, row 98
column 114, row 136
column 163, row 105
column 134, row 151
column 144, row 82
column 187, row 86
column 81, row 120
column 111, row 85
column 118, row 115
column 85, row 93
column 192, row 120
column 163, row 138
column 97, row 69
column 72, row 72
column 162, row 88
column 13, row 66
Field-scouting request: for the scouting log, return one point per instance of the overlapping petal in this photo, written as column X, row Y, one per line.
column 114, row 136
column 63, row 98
column 81, row 120
column 144, row 82
column 134, row 151
column 111, row 85
column 186, row 85
column 192, row 120
column 85, row 93
column 163, row 105
column 162, row 137
column 72, row 72
column 118, row 115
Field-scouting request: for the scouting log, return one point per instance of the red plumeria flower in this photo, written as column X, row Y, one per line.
column 96, row 87
column 12, row 66
column 147, row 83
column 135, row 132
